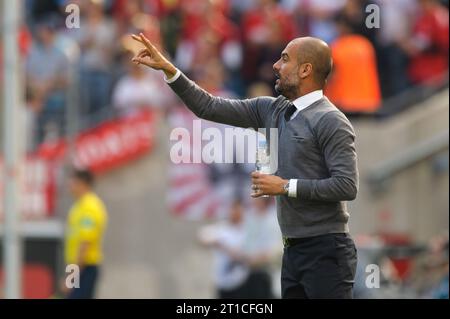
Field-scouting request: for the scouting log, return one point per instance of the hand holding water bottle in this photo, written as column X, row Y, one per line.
column 264, row 184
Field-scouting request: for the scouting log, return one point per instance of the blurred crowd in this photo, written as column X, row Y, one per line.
column 227, row 46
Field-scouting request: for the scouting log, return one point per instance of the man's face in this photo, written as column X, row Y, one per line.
column 76, row 186
column 286, row 70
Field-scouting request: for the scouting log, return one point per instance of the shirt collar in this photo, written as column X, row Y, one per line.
column 306, row 100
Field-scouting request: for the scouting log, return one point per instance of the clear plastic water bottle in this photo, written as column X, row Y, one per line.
column 262, row 158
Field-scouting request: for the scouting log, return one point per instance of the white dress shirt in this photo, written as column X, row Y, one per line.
column 173, row 78
column 306, row 100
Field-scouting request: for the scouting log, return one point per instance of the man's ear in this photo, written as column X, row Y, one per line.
column 305, row 70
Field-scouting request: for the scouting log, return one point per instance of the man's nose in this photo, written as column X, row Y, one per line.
column 275, row 67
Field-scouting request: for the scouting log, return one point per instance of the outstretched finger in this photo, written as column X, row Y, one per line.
column 147, row 43
column 143, row 40
column 138, row 39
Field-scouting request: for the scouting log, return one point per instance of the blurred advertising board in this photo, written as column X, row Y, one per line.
column 109, row 145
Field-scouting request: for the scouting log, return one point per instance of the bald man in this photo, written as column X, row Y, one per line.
column 317, row 169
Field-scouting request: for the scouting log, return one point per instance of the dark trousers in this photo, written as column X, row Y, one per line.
column 321, row 267
column 257, row 286
column 239, row 292
column 88, row 280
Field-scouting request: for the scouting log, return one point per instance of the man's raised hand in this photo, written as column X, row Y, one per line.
column 151, row 57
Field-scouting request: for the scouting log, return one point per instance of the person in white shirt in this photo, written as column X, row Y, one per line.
column 139, row 89
column 227, row 239
column 262, row 246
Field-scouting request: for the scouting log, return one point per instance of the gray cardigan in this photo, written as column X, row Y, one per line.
column 317, row 147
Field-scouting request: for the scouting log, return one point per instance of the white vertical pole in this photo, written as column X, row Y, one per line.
column 13, row 102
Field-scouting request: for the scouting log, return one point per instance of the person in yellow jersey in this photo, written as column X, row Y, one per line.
column 86, row 224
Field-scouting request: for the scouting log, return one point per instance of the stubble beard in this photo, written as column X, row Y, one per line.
column 288, row 88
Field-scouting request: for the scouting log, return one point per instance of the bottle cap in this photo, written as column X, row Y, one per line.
column 262, row 143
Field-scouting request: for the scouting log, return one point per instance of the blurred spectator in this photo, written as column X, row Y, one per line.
column 241, row 6
column 257, row 22
column 47, row 78
column 36, row 10
column 428, row 45
column 266, row 29
column 123, row 12
column 171, row 25
column 227, row 240
column 269, row 53
column 207, row 33
column 320, row 15
column 33, row 107
column 262, row 245
column 139, row 88
column 245, row 248
column 395, row 18
column 193, row 54
column 355, row 13
column 135, row 16
column 353, row 85
column 97, row 38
